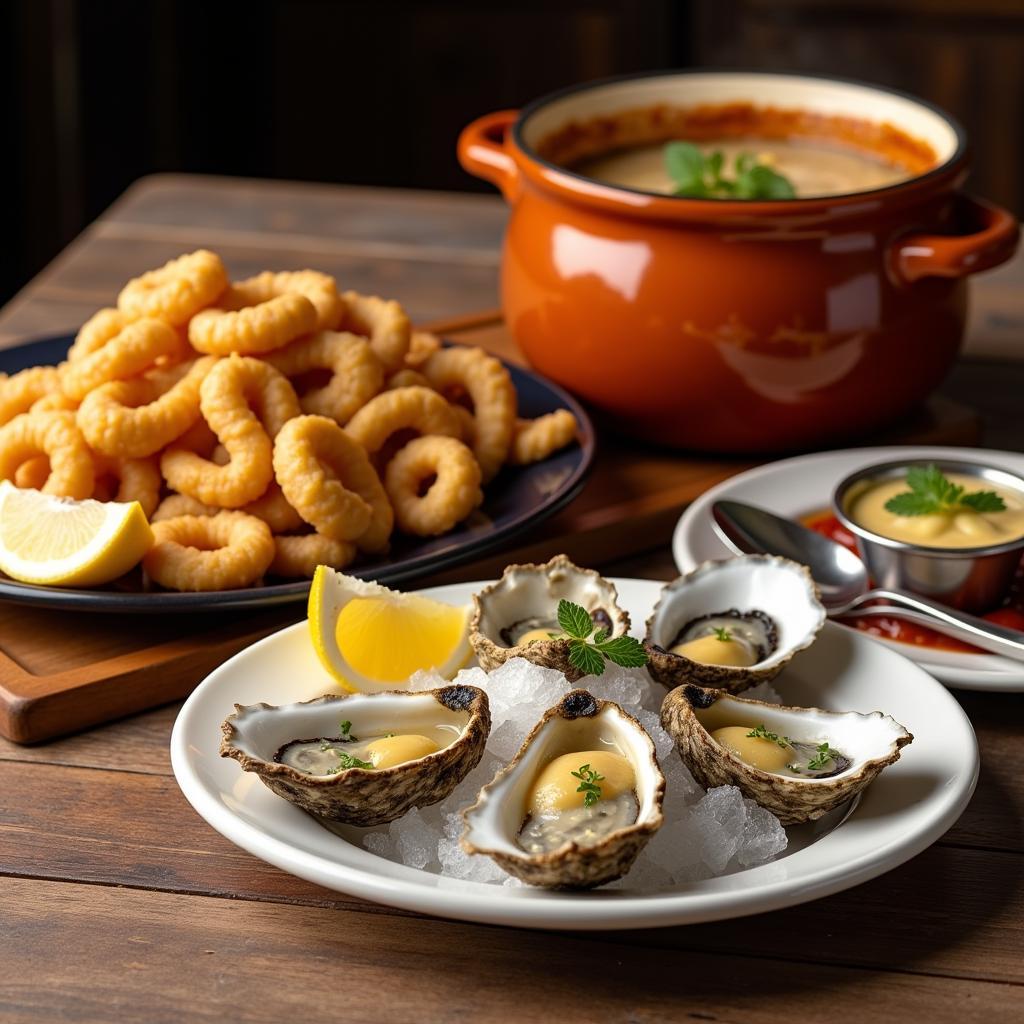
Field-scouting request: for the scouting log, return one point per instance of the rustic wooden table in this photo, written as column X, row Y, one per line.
column 119, row 903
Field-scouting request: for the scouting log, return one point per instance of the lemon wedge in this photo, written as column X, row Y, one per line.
column 371, row 638
column 57, row 541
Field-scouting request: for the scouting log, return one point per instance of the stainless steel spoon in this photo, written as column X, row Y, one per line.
column 842, row 577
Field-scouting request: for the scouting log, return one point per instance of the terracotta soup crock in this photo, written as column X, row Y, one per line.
column 720, row 325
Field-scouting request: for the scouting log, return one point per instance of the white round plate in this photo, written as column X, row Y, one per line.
column 905, row 810
column 802, row 485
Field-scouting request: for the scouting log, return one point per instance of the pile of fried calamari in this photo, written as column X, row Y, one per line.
column 266, row 426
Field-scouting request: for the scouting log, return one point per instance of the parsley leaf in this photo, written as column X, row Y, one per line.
column 346, row 761
column 723, row 634
column 931, row 492
column 346, row 731
column 697, row 176
column 589, row 647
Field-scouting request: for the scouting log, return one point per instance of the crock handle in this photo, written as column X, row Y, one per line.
column 482, row 151
column 920, row 255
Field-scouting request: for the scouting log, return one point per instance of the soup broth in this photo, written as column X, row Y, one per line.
column 812, row 169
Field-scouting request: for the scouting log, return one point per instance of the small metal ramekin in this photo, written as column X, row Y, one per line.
column 972, row 579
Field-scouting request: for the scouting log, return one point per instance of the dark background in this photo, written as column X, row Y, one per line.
column 97, row 93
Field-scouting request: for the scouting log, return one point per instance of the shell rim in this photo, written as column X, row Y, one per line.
column 553, row 857
column 776, row 660
column 259, row 766
column 850, row 775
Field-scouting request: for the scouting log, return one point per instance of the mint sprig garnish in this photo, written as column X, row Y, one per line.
column 697, row 176
column 931, row 492
column 590, row 647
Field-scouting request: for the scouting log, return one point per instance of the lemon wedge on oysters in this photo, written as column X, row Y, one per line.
column 60, row 542
column 371, row 638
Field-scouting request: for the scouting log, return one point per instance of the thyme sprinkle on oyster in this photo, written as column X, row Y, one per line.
column 761, row 732
column 346, row 761
column 822, row 757
column 589, row 647
column 588, row 784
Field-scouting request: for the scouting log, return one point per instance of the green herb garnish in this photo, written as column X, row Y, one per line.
column 346, row 761
column 723, row 634
column 760, row 732
column 822, row 757
column 589, row 647
column 588, row 784
column 931, row 492
column 697, row 176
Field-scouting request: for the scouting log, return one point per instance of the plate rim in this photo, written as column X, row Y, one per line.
column 279, row 594
column 558, row 911
column 964, row 677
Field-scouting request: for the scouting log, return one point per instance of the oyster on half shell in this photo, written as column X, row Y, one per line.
column 799, row 763
column 365, row 758
column 535, row 823
column 513, row 617
column 761, row 606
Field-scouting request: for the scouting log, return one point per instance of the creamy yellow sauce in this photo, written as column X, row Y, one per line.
column 709, row 650
column 960, row 527
column 813, row 170
column 766, row 754
column 556, row 788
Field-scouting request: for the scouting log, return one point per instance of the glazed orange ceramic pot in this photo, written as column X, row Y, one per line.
column 738, row 326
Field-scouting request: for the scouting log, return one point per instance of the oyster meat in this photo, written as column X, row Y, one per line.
column 363, row 759
column 577, row 803
column 733, row 624
column 799, row 763
column 515, row 617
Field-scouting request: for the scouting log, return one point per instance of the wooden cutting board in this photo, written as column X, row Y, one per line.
column 61, row 671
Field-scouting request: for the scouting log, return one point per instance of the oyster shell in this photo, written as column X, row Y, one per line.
column 770, row 601
column 859, row 747
column 525, row 600
column 579, row 722
column 455, row 719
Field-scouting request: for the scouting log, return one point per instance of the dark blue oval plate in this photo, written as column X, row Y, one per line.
column 516, row 500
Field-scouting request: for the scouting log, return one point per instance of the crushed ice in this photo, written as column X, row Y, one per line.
column 704, row 834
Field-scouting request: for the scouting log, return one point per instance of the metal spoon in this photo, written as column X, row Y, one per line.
column 842, row 577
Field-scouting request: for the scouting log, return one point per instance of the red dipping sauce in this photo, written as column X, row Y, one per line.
column 1011, row 613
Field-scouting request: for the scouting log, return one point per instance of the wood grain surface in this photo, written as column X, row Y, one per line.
column 118, row 903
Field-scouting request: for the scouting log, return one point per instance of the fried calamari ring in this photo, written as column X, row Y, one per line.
column 383, row 321
column 489, row 387
column 319, row 288
column 55, row 401
column 245, row 402
column 135, row 348
column 356, row 373
column 537, row 439
column 406, row 378
column 177, row 290
column 20, row 391
column 452, row 474
column 127, row 480
column 55, row 435
column 422, row 346
column 272, row 508
column 220, row 552
column 103, row 325
column 299, row 555
column 413, row 408
column 467, row 424
column 130, row 419
column 254, row 329
column 328, row 479
column 33, row 473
